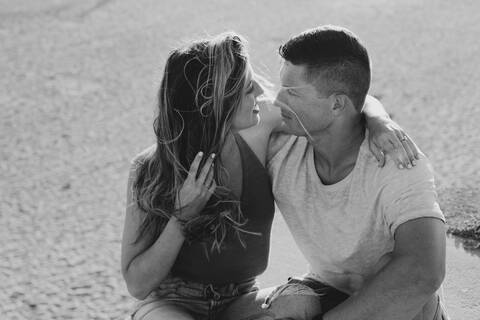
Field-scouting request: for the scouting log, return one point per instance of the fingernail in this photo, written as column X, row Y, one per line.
column 409, row 166
column 213, row 155
column 200, row 153
column 400, row 166
column 414, row 163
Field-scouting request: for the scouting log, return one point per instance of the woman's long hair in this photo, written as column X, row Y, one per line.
column 201, row 89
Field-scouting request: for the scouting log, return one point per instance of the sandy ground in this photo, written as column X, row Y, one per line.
column 77, row 94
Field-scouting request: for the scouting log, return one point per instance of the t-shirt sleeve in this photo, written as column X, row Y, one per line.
column 410, row 194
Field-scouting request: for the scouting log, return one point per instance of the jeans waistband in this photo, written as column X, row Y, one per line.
column 216, row 292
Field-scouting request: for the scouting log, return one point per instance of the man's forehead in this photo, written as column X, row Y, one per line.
column 292, row 75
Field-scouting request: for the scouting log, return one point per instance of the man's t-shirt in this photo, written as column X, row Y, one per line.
column 346, row 230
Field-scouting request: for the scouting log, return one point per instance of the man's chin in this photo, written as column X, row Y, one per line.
column 293, row 131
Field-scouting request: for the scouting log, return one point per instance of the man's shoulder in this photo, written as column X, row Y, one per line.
column 277, row 141
column 394, row 186
column 391, row 176
column 422, row 170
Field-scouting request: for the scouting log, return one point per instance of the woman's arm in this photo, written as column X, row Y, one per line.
column 387, row 137
column 144, row 267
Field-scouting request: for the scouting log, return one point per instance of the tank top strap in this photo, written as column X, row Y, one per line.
column 247, row 154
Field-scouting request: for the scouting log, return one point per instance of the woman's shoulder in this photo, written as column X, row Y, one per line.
column 143, row 155
column 139, row 160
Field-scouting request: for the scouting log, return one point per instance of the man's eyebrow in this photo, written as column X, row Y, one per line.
column 292, row 87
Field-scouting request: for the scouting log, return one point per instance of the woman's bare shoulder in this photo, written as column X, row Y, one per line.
column 143, row 155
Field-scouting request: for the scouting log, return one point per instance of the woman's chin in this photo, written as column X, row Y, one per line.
column 256, row 116
column 256, row 119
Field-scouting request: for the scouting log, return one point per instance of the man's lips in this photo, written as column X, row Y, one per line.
column 285, row 115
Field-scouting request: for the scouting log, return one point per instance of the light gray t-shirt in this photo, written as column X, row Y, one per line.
column 346, row 230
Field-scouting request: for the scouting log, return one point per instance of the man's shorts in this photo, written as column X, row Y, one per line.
column 330, row 297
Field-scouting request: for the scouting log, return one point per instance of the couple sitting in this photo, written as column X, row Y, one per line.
column 201, row 200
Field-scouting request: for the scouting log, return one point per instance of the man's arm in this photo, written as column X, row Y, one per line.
column 405, row 284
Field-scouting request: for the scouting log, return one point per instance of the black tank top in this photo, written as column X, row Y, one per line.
column 236, row 263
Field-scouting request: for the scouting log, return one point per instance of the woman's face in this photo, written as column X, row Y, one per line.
column 247, row 114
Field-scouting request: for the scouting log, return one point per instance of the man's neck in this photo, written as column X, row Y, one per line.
column 336, row 151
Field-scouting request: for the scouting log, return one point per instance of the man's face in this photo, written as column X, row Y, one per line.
column 301, row 103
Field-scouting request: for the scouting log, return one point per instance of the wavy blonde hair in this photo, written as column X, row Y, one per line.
column 201, row 90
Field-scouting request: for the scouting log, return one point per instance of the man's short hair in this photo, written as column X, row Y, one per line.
column 336, row 55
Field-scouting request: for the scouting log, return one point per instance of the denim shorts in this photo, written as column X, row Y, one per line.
column 201, row 301
column 329, row 297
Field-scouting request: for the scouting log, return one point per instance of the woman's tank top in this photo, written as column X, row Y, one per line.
column 236, row 263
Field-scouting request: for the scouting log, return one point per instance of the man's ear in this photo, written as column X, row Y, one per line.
column 340, row 103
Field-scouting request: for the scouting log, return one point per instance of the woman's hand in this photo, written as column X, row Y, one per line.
column 196, row 189
column 387, row 137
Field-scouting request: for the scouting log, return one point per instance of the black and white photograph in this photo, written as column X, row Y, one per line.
column 240, row 160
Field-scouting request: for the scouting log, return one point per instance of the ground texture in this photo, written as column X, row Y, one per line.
column 77, row 94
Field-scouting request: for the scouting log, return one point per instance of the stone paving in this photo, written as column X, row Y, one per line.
column 77, row 94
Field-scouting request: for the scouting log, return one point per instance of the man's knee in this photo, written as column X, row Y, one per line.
column 295, row 306
column 293, row 300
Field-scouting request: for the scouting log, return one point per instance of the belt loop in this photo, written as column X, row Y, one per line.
column 209, row 293
column 235, row 290
column 206, row 291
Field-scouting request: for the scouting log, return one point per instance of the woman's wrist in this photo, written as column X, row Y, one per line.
column 374, row 112
column 178, row 223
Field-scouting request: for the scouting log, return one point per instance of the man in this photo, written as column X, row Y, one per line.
column 376, row 234
column 374, row 237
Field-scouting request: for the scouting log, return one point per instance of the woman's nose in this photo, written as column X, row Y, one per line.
column 280, row 99
column 258, row 89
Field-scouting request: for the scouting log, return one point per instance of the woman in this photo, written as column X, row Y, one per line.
column 200, row 207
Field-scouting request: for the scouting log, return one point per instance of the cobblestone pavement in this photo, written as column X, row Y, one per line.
column 77, row 94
